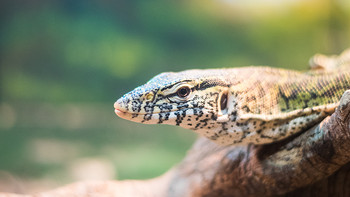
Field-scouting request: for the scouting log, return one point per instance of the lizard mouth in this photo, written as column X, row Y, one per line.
column 119, row 112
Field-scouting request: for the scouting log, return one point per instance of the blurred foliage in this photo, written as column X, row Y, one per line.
column 62, row 52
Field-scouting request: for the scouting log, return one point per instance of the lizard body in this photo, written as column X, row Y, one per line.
column 240, row 105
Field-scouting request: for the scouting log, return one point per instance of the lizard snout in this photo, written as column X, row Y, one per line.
column 119, row 108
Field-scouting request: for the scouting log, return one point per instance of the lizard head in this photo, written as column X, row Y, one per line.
column 192, row 99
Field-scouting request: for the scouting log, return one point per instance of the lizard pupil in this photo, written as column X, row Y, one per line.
column 183, row 92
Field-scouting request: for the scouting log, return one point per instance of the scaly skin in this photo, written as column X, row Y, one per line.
column 257, row 105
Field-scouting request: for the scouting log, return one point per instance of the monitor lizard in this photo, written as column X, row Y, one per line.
column 230, row 106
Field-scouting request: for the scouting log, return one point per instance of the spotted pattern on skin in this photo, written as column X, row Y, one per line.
column 257, row 105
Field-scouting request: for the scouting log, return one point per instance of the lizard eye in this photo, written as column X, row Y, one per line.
column 183, row 91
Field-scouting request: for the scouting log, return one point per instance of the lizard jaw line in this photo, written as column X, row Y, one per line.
column 122, row 112
column 125, row 114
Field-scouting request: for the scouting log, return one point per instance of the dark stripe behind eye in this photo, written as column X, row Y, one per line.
column 208, row 84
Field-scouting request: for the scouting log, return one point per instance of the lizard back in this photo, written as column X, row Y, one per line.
column 266, row 91
column 271, row 104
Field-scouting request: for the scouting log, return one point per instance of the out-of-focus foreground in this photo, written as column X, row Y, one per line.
column 64, row 63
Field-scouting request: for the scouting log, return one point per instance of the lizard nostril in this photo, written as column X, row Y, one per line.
column 149, row 96
column 223, row 101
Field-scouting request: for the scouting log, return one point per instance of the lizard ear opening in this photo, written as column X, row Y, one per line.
column 223, row 101
column 222, row 106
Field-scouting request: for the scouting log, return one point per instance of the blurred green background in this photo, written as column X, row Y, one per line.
column 63, row 64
